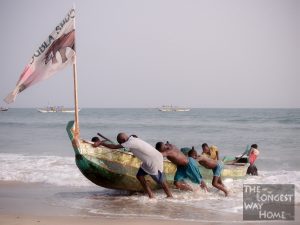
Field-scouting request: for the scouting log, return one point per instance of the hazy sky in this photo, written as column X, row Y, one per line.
column 138, row 53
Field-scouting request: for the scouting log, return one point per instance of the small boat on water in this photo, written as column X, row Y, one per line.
column 116, row 169
column 170, row 108
column 56, row 109
column 2, row 109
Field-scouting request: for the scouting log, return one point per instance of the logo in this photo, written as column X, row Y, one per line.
column 268, row 202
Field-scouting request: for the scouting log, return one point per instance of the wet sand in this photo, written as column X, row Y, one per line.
column 30, row 204
column 76, row 220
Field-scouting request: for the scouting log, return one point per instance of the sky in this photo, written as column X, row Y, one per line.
column 138, row 53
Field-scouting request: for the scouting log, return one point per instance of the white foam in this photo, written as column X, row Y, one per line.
column 56, row 170
column 215, row 200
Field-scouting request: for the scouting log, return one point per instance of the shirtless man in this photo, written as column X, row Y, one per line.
column 216, row 167
column 152, row 160
column 187, row 167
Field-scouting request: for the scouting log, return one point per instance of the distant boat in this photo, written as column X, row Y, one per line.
column 2, row 109
column 170, row 108
column 56, row 109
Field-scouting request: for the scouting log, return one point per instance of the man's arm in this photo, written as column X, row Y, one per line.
column 200, row 158
column 111, row 146
column 217, row 154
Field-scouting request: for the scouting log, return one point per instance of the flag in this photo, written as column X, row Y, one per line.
column 54, row 54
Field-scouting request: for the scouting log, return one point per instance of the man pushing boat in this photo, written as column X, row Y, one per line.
column 187, row 167
column 152, row 160
column 216, row 166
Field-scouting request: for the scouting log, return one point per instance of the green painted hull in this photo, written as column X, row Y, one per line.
column 116, row 169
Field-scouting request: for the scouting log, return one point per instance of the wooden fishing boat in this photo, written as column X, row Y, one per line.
column 116, row 169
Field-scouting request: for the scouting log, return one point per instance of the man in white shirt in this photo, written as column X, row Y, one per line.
column 152, row 160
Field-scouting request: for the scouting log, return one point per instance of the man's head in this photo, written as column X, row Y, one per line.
column 95, row 139
column 160, row 146
column 192, row 153
column 205, row 148
column 254, row 146
column 122, row 137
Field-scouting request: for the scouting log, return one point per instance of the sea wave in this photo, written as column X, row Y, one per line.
column 55, row 170
column 62, row 171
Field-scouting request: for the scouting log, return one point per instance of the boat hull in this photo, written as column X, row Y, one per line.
column 116, row 169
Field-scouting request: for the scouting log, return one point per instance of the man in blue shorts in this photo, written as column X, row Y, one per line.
column 216, row 166
column 187, row 167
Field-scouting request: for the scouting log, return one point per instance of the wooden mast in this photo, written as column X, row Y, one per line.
column 76, row 131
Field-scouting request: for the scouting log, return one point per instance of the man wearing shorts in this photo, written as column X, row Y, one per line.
column 187, row 167
column 152, row 160
column 217, row 167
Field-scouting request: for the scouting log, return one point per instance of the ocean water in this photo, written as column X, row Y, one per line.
column 35, row 148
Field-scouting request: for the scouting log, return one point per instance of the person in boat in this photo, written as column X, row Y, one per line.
column 216, row 167
column 187, row 167
column 152, row 160
column 252, row 156
column 211, row 152
column 96, row 140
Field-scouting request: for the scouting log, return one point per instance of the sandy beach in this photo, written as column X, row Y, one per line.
column 77, row 220
column 30, row 204
column 16, row 219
